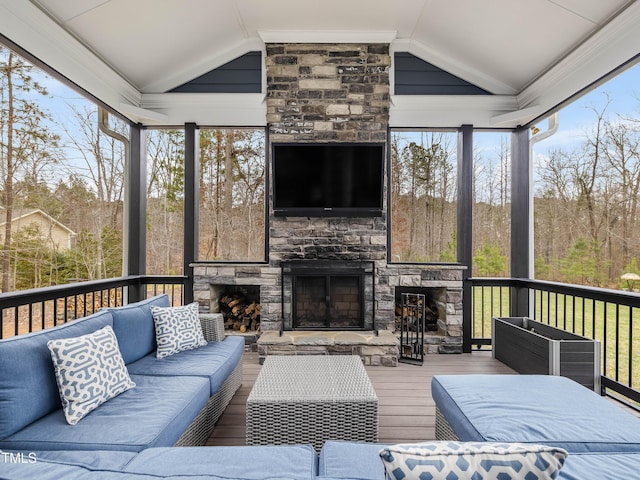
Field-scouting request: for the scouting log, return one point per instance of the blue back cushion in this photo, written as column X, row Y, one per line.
column 133, row 326
column 28, row 388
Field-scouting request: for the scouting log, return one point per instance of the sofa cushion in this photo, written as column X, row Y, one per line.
column 242, row 463
column 51, row 470
column 89, row 371
column 177, row 329
column 103, row 459
column 28, row 389
column 215, row 361
column 541, row 409
column 133, row 326
column 351, row 460
column 601, row 466
column 155, row 413
column 486, row 460
column 297, row 462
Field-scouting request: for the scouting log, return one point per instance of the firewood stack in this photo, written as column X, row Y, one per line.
column 430, row 317
column 240, row 313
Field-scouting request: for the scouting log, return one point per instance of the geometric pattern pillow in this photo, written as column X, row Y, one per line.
column 89, row 371
column 472, row 461
column 177, row 329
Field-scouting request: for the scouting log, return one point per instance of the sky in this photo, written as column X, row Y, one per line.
column 577, row 118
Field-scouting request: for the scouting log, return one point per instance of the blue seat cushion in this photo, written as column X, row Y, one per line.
column 351, row 460
column 134, row 328
column 214, row 361
column 297, row 462
column 51, row 470
column 549, row 410
column 153, row 414
column 102, row 459
column 610, row 466
column 28, row 389
column 241, row 463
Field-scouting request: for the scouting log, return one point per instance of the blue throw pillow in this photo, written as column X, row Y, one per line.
column 472, row 461
column 89, row 371
column 177, row 329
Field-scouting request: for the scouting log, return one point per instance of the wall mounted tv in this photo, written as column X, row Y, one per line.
column 328, row 179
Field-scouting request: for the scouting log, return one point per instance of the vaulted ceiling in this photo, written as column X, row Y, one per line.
column 514, row 48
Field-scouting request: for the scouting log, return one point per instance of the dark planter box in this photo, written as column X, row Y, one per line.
column 532, row 347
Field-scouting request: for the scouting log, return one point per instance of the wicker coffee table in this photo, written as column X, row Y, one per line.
column 311, row 399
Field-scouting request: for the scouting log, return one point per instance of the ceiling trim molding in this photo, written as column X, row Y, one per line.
column 206, row 109
column 327, row 36
column 34, row 31
column 615, row 44
column 474, row 76
column 517, row 117
column 142, row 115
column 451, row 111
column 179, row 77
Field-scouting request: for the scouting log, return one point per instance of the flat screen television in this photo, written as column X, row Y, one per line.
column 328, row 179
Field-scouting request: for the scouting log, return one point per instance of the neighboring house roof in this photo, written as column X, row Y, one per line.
column 19, row 218
column 59, row 233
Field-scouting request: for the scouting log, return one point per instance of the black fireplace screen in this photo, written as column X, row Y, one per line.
column 327, row 295
column 329, row 301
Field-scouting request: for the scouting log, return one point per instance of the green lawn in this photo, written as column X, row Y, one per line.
column 620, row 343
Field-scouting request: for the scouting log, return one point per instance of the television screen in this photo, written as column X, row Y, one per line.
column 316, row 179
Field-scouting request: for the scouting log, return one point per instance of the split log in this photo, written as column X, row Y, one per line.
column 239, row 312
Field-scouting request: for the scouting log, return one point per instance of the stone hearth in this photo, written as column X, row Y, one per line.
column 381, row 349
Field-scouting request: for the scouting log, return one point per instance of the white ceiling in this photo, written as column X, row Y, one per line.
column 508, row 42
column 503, row 46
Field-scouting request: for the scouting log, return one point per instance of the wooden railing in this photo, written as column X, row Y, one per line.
column 32, row 310
column 610, row 316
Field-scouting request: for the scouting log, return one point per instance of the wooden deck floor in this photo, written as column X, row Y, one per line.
column 406, row 409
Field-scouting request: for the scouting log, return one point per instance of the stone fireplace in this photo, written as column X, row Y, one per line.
column 330, row 93
column 326, row 93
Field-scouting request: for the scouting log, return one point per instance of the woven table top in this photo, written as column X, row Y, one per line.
column 315, row 378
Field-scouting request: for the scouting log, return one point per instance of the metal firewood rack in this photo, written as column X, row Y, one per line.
column 412, row 325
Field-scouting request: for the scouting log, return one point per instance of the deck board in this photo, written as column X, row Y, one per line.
column 406, row 408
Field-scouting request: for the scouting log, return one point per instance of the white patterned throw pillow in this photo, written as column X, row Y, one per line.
column 89, row 371
column 472, row 461
column 177, row 329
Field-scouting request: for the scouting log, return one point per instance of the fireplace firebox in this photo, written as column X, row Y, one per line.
column 327, row 295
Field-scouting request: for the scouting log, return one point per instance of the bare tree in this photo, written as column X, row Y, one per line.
column 102, row 169
column 232, row 168
column 26, row 142
column 423, row 195
column 165, row 200
column 622, row 153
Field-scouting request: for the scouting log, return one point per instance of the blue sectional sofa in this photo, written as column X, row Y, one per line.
column 176, row 400
column 131, row 436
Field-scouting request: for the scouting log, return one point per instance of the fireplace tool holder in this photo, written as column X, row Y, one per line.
column 412, row 326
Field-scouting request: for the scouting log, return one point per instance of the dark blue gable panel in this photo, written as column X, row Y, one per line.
column 242, row 75
column 414, row 76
